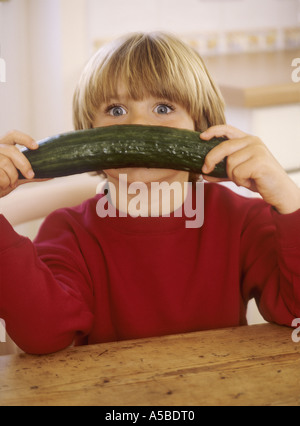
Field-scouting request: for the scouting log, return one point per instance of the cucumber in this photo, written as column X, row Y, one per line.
column 122, row 146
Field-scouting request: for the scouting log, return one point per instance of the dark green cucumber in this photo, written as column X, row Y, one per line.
column 122, row 146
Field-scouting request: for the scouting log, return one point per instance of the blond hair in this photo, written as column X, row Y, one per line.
column 155, row 64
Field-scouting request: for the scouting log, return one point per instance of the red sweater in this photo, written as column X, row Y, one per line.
column 93, row 280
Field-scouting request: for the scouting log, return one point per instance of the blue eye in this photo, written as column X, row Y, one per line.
column 163, row 109
column 116, row 111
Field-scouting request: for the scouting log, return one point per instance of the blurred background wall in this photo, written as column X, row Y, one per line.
column 45, row 44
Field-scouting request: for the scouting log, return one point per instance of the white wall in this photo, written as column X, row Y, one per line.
column 58, row 51
column 46, row 43
column 108, row 19
column 15, row 93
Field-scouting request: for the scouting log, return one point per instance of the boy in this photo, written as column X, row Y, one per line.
column 88, row 279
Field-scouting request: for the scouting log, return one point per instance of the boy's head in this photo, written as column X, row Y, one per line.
column 155, row 64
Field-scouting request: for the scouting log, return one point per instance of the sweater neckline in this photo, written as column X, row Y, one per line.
column 145, row 225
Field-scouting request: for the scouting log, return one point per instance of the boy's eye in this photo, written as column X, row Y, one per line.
column 163, row 109
column 116, row 111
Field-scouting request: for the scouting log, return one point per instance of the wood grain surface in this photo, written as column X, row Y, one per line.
column 252, row 365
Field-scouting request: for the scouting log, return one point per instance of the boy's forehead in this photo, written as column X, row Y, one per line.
column 125, row 98
column 120, row 88
column 121, row 92
column 124, row 93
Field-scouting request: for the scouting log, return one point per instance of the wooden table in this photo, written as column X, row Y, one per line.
column 252, row 365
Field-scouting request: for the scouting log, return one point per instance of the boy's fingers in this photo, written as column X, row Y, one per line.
column 217, row 154
column 236, row 139
column 9, row 174
column 15, row 137
column 225, row 131
column 4, row 180
column 12, row 160
column 11, row 154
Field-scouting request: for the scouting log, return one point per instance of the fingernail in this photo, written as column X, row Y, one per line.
column 30, row 174
column 205, row 169
column 34, row 145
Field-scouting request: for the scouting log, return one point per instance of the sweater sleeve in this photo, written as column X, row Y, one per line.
column 45, row 305
column 271, row 266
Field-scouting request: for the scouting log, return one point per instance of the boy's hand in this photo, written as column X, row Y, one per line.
column 12, row 160
column 250, row 164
